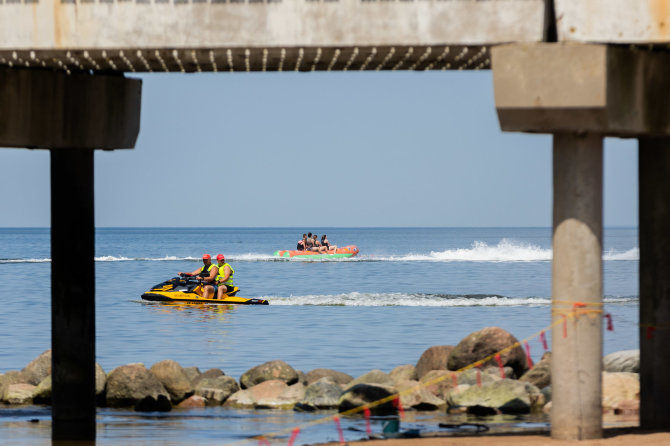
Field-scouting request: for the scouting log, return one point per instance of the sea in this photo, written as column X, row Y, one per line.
column 407, row 290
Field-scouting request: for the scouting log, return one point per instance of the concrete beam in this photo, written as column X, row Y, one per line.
column 613, row 91
column 654, row 178
column 49, row 109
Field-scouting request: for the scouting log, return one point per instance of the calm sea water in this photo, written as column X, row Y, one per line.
column 409, row 289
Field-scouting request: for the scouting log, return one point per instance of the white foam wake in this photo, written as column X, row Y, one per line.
column 631, row 254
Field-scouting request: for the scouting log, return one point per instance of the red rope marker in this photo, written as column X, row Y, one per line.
column 294, row 434
column 610, row 326
column 479, row 375
column 543, row 339
column 650, row 332
column 336, row 419
column 454, row 379
column 528, row 357
column 263, row 441
column 398, row 404
column 565, row 325
column 368, row 430
column 500, row 365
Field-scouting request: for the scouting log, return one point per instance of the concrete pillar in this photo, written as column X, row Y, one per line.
column 654, row 227
column 72, row 295
column 577, row 277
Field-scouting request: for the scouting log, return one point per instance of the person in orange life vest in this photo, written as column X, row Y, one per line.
column 207, row 274
column 224, row 279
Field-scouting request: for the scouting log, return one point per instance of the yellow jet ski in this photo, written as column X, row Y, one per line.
column 188, row 289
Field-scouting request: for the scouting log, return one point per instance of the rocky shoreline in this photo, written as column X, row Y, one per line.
column 505, row 384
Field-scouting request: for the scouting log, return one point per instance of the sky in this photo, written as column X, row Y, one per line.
column 321, row 149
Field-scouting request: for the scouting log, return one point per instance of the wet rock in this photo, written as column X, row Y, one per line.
column 271, row 394
column 540, row 374
column 505, row 395
column 192, row 402
column 434, row 358
column 403, row 373
column 618, row 387
column 321, row 394
column 375, row 376
column 20, row 393
column 217, row 390
column 622, row 361
column 133, row 385
column 414, row 396
column 485, row 342
column 272, row 370
column 208, row 374
column 360, row 394
column 173, row 378
column 286, row 400
column 38, row 369
column 338, row 377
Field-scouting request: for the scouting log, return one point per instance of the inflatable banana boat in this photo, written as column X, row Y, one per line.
column 339, row 253
column 187, row 289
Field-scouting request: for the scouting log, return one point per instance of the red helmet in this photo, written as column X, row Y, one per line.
column 206, row 257
column 220, row 257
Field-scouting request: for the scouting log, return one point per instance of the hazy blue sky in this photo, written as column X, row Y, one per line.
column 320, row 149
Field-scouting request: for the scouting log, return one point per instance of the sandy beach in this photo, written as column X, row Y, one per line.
column 612, row 437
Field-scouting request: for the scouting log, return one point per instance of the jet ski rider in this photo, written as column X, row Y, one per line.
column 207, row 274
column 224, row 279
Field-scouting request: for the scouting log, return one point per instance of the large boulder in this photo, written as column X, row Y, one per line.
column 216, row 390
column 208, row 374
column 20, row 393
column 403, row 373
column 375, row 376
column 338, row 377
column 503, row 395
column 622, row 361
column 361, row 394
column 271, row 370
column 11, row 377
column 270, row 394
column 439, row 382
column 618, row 387
column 434, row 358
column 484, row 343
column 540, row 374
column 173, row 378
column 470, row 377
column 42, row 394
column 192, row 373
column 414, row 396
column 100, row 384
column 321, row 394
column 38, row 369
column 193, row 402
column 134, row 385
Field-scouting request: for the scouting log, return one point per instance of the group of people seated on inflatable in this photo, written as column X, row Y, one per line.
column 217, row 279
column 311, row 242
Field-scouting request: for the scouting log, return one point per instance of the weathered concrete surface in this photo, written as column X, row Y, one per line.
column 273, row 35
column 46, row 109
column 576, row 361
column 550, row 88
column 614, row 21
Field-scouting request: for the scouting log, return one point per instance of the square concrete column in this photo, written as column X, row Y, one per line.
column 576, row 362
column 654, row 180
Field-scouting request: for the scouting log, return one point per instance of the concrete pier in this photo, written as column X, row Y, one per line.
column 654, row 180
column 577, row 278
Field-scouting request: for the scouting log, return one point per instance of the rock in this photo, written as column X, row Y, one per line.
column 540, row 374
column 11, row 377
column 271, row 370
column 627, row 407
column 217, row 390
column 375, row 376
column 547, row 408
column 618, row 387
column 622, row 361
column 192, row 402
column 403, row 373
column 546, row 391
column 338, row 377
column 134, row 385
column 211, row 373
column 485, row 342
column 360, row 394
column 435, row 358
column 100, row 384
column 505, row 395
column 42, row 394
column 173, row 378
column 418, row 398
column 470, row 377
column 507, row 371
column 271, row 394
column 38, row 369
column 321, row 394
column 20, row 393
column 443, row 382
column 192, row 373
